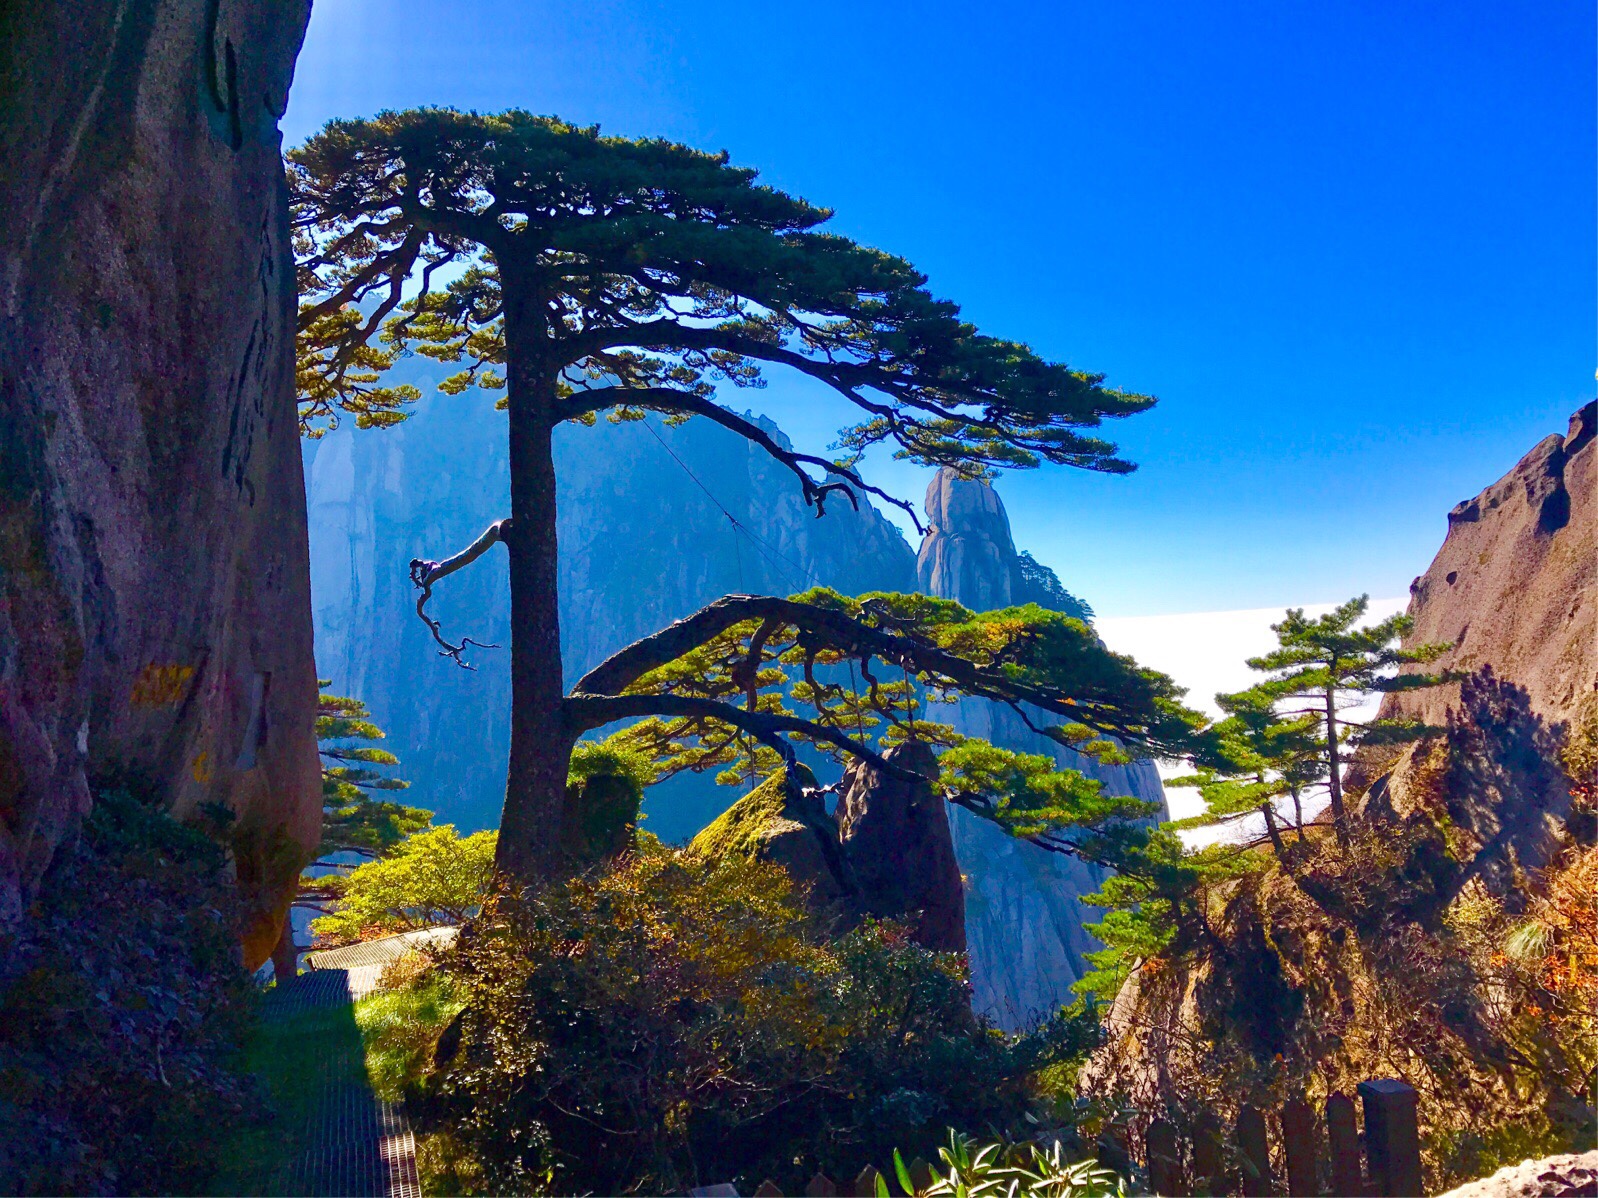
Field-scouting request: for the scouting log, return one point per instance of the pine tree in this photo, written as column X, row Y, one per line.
column 1253, row 758
column 353, row 819
column 1324, row 666
column 587, row 275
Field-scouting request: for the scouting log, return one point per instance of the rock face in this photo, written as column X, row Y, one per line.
column 1514, row 588
column 1023, row 908
column 884, row 853
column 155, row 623
column 1515, row 585
column 642, row 544
column 896, row 836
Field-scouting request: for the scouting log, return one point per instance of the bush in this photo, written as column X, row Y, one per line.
column 674, row 1021
column 432, row 877
column 123, row 1006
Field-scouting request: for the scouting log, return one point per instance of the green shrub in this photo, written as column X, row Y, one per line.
column 431, row 877
column 674, row 1020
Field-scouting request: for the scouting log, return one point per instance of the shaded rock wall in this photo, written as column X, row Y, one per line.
column 1023, row 914
column 154, row 603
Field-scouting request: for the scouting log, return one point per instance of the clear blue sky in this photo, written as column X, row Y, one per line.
column 1351, row 246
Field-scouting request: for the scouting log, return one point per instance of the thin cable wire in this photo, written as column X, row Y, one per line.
column 774, row 557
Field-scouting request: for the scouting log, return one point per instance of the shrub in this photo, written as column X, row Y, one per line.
column 432, row 877
column 123, row 1006
column 673, row 1020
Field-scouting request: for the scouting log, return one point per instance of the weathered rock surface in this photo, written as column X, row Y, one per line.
column 154, row 604
column 1514, row 589
column 1023, row 908
column 896, row 836
column 772, row 824
column 1515, row 584
column 1571, row 1175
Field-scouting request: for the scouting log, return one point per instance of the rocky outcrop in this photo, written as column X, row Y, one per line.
column 884, row 853
column 1515, row 584
column 154, row 615
column 896, row 836
column 772, row 823
column 1568, row 1175
column 1514, row 590
column 1023, row 908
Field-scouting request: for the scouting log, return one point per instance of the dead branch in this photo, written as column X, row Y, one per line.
column 425, row 573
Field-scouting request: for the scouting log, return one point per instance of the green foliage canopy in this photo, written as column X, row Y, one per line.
column 651, row 271
column 433, row 877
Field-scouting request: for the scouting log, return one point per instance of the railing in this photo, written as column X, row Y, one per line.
column 1390, row 1168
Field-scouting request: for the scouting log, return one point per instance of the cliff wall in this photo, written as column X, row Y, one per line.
column 642, row 544
column 155, row 625
column 1515, row 584
column 1514, row 590
column 1024, row 912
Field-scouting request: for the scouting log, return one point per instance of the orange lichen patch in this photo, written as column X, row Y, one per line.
column 160, row 685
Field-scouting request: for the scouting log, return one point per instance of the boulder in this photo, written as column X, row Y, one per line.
column 155, row 629
column 771, row 823
column 896, row 836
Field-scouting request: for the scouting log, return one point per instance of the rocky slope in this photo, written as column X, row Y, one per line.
column 1024, row 912
column 155, row 623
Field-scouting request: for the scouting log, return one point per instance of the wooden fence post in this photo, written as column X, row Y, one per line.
column 1302, row 1147
column 1392, row 1136
column 1209, row 1171
column 1343, row 1134
column 1164, row 1160
column 1251, row 1138
column 768, row 1189
column 821, row 1186
column 865, row 1182
column 920, row 1175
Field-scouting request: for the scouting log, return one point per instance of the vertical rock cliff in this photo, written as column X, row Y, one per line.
column 1024, row 912
column 155, row 625
column 1514, row 590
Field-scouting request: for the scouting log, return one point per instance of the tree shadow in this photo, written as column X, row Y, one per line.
column 1504, row 782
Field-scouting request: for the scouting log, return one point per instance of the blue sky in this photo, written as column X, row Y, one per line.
column 1350, row 246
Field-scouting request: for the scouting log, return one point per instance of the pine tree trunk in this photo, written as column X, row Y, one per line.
column 1335, row 777
column 540, row 749
column 1280, row 849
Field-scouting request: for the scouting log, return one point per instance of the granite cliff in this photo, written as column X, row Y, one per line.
column 155, row 629
column 1024, row 912
column 1514, row 590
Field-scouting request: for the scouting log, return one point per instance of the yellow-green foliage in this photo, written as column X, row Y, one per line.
column 432, row 877
column 677, row 1017
column 398, row 1028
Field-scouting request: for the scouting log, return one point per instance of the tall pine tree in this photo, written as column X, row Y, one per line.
column 589, row 275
